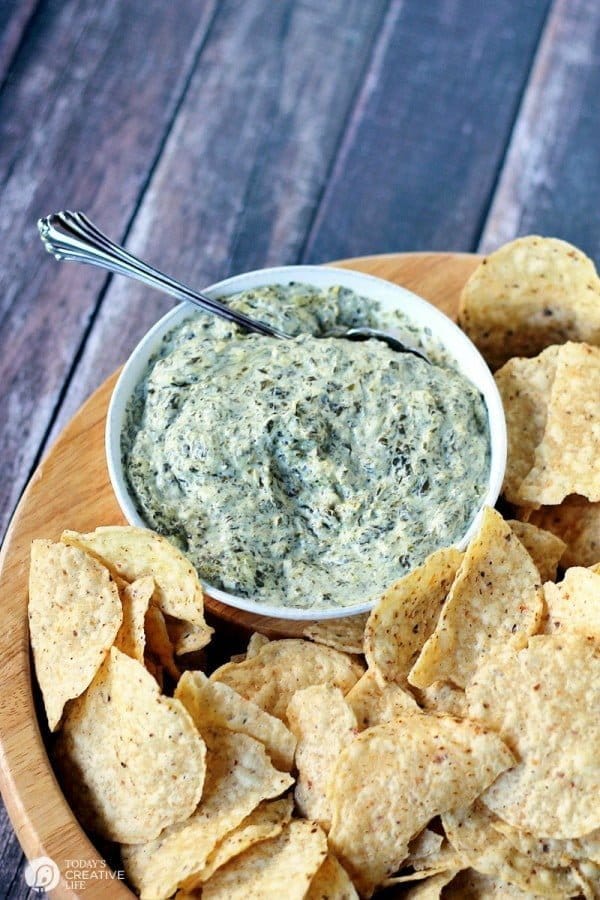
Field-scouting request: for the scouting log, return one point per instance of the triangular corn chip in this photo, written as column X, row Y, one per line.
column 133, row 552
column 74, row 616
column 495, row 598
column 131, row 759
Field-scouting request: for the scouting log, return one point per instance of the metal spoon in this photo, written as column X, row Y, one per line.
column 71, row 236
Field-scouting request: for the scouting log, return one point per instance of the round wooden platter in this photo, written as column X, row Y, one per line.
column 71, row 489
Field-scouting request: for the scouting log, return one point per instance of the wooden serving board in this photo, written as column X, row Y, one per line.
column 71, row 489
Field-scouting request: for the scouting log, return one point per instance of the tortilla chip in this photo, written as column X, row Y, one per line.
column 407, row 614
column 134, row 552
column 239, row 775
column 158, row 642
column 374, row 704
column 74, row 616
column 266, row 821
column 256, row 642
column 391, row 780
column 442, row 859
column 135, row 598
column 589, row 876
column 544, row 701
column 432, row 888
column 525, row 386
column 344, row 634
column 214, row 705
column 551, row 852
column 131, row 760
column 280, row 668
column 566, row 460
column 423, row 845
column 471, row 833
column 413, row 876
column 442, row 697
column 323, row 724
column 529, row 294
column 496, row 598
column 281, row 867
column 472, row 885
column 574, row 604
column 577, row 522
column 331, row 882
column 186, row 637
column 545, row 548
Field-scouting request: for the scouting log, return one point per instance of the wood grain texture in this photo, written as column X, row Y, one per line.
column 92, row 90
column 419, row 160
column 71, row 489
column 549, row 184
column 245, row 163
column 14, row 18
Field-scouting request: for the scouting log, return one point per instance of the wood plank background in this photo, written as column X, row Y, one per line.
column 214, row 136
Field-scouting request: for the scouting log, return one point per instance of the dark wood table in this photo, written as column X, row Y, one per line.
column 216, row 136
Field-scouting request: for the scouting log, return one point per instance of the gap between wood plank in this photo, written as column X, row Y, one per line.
column 549, row 183
column 360, row 100
column 14, row 34
column 360, row 81
column 415, row 169
column 478, row 245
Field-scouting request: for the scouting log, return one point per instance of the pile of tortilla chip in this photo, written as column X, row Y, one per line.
column 528, row 295
column 446, row 745
column 533, row 309
column 108, row 611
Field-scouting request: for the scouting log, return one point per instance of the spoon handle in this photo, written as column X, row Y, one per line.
column 71, row 236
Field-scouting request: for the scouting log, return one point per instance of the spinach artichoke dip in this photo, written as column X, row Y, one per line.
column 310, row 472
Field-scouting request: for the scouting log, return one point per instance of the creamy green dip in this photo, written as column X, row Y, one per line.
column 307, row 473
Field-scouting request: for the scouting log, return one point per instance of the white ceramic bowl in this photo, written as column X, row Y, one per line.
column 391, row 296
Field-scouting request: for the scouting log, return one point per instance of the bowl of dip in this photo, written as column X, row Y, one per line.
column 303, row 477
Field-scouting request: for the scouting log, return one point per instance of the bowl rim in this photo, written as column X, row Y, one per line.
column 456, row 343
